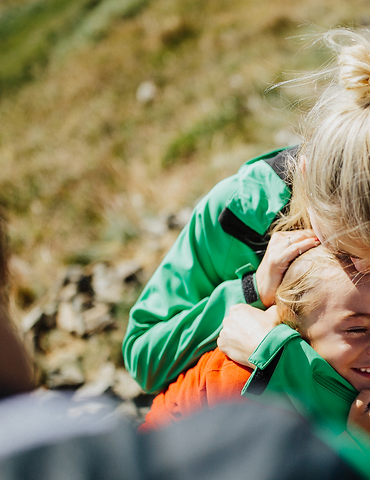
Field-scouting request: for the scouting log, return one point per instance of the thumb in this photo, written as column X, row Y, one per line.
column 362, row 401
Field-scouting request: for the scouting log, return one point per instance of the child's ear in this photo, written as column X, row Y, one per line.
column 302, row 164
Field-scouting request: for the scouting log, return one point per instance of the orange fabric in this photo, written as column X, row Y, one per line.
column 213, row 380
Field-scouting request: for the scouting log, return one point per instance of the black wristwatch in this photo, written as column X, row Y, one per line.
column 249, row 290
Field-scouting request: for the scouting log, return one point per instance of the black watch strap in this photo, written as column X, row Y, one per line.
column 249, row 290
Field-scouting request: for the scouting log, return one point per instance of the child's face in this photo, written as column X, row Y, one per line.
column 339, row 329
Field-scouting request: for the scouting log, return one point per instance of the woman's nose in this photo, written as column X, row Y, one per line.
column 362, row 265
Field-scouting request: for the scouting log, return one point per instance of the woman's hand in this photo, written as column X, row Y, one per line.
column 282, row 249
column 244, row 329
column 359, row 415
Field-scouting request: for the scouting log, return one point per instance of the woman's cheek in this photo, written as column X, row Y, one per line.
column 361, row 265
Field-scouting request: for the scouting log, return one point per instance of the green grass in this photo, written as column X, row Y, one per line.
column 84, row 164
column 200, row 135
column 27, row 34
column 30, row 31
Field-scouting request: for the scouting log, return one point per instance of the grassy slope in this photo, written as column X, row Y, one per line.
column 84, row 163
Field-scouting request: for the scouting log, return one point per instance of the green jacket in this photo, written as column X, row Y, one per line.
column 290, row 375
column 299, row 379
column 179, row 314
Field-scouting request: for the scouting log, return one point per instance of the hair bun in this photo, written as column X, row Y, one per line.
column 355, row 72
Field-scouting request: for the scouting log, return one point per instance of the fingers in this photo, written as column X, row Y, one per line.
column 243, row 329
column 362, row 402
column 282, row 249
column 290, row 240
column 359, row 415
column 300, row 246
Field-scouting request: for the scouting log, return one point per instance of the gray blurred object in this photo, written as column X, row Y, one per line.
column 249, row 442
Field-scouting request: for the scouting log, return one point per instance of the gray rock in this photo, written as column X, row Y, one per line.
column 146, row 92
column 67, row 292
column 69, row 375
column 73, row 274
column 66, row 332
column 81, row 302
column 69, row 320
column 103, row 380
column 125, row 386
column 38, row 318
column 128, row 271
column 97, row 318
column 107, row 284
column 31, row 318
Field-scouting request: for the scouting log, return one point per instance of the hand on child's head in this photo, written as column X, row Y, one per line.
column 282, row 249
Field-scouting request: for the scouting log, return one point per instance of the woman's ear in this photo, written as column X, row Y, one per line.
column 302, row 164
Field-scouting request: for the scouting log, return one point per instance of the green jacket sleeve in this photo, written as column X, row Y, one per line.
column 179, row 314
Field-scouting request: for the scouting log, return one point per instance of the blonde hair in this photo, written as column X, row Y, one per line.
column 335, row 182
column 301, row 290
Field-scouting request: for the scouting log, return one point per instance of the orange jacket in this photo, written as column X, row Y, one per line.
column 213, row 380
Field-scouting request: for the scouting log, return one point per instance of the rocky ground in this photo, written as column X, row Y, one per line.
column 74, row 334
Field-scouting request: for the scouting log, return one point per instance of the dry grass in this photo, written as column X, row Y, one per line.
column 84, row 163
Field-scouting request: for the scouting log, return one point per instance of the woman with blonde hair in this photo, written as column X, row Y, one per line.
column 331, row 179
column 217, row 262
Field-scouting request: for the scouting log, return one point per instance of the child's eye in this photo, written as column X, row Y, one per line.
column 341, row 256
column 344, row 255
column 357, row 330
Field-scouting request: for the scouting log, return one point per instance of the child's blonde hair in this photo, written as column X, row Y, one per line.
column 301, row 290
column 335, row 182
